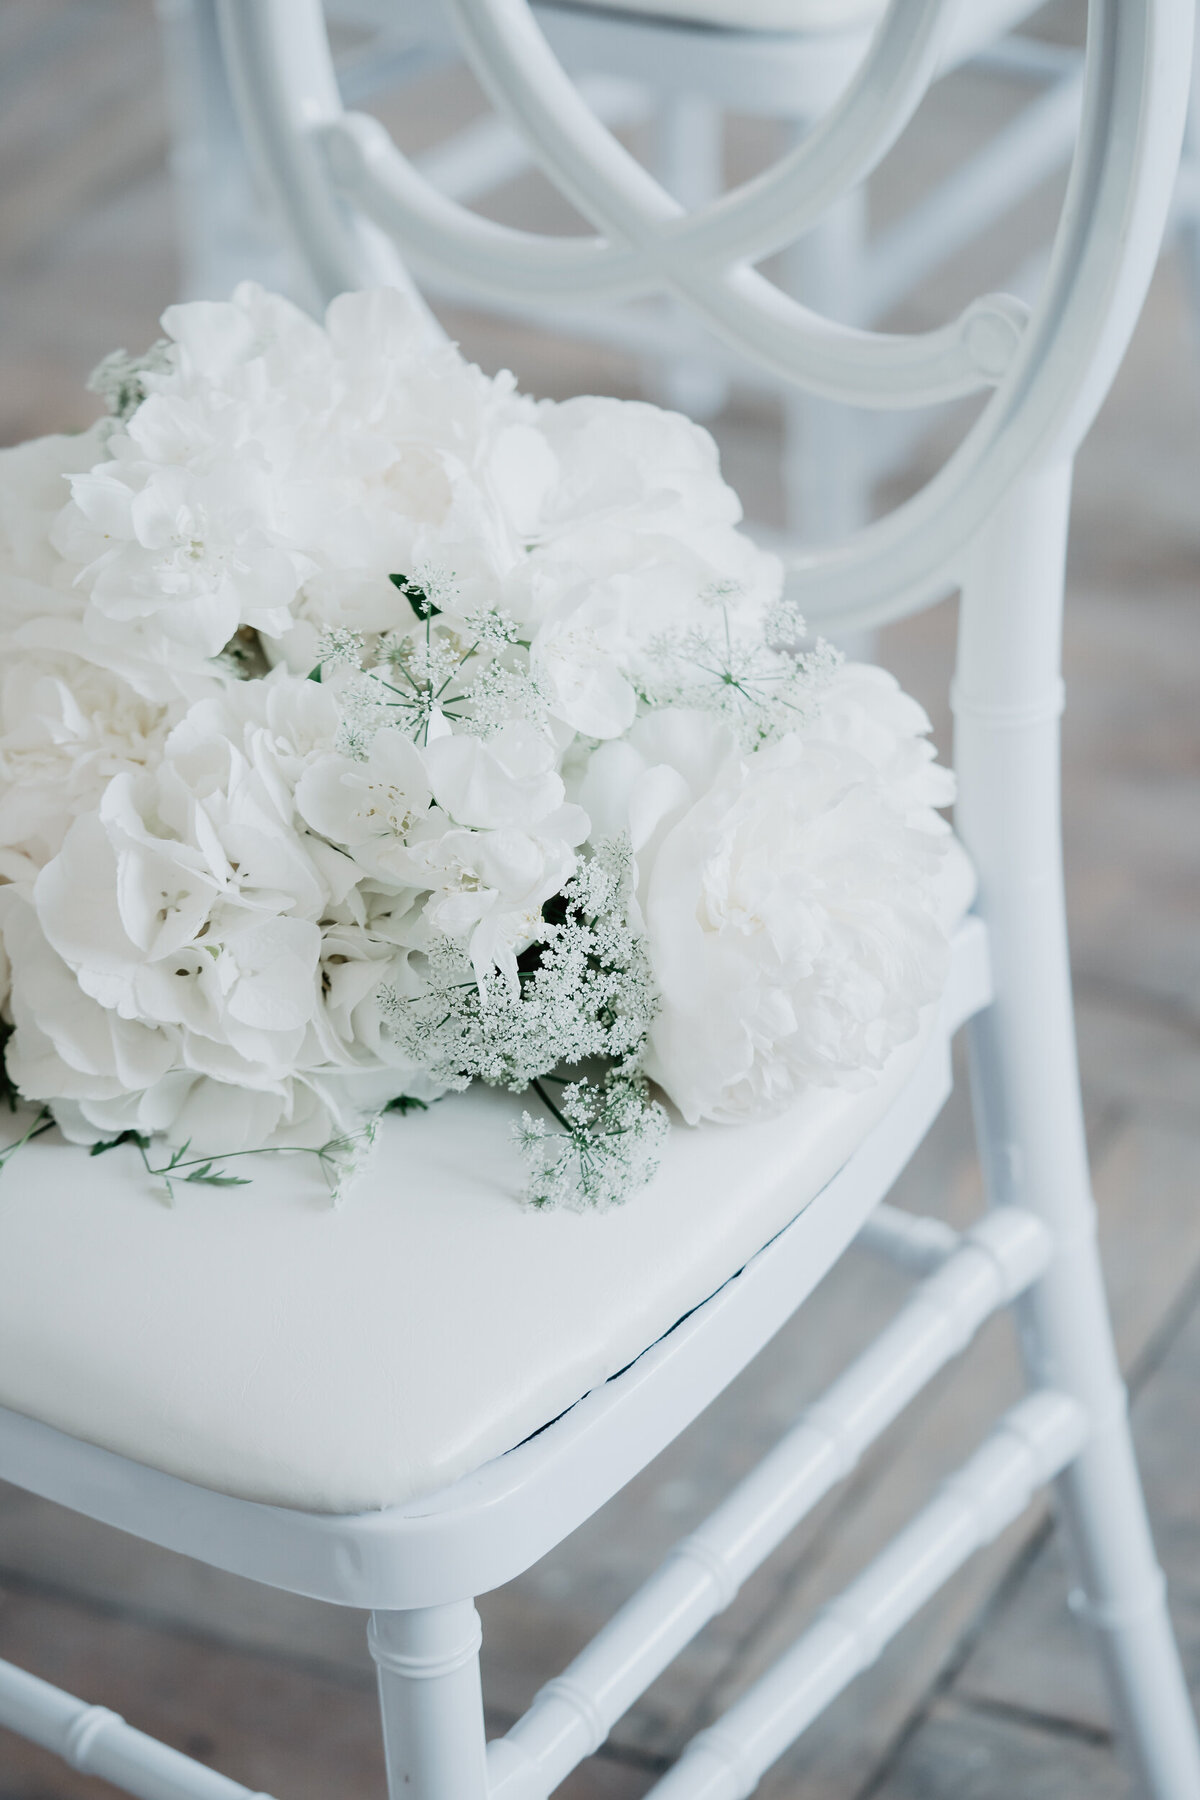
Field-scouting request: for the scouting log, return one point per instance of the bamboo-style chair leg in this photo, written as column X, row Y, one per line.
column 430, row 1702
column 688, row 143
column 1008, row 696
column 1188, row 202
column 824, row 478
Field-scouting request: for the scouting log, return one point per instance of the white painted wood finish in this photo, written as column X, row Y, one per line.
column 994, row 520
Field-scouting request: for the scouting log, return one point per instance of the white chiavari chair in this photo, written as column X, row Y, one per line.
column 483, row 1380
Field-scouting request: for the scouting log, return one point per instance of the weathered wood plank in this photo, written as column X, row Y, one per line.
column 275, row 1728
column 1034, row 1655
column 962, row 1754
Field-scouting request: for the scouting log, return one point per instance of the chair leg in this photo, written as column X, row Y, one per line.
column 228, row 231
column 1188, row 203
column 688, row 147
column 825, row 488
column 1118, row 1587
column 1029, row 1114
column 430, row 1701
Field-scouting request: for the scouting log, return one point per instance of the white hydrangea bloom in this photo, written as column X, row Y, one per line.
column 34, row 488
column 191, row 903
column 66, row 728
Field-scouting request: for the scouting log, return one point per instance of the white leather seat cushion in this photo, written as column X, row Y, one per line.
column 255, row 1341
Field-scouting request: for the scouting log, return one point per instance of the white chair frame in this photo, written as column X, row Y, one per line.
column 679, row 78
column 993, row 522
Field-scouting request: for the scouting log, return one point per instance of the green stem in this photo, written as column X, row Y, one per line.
column 42, row 1122
column 173, row 1168
column 548, row 1103
column 391, row 687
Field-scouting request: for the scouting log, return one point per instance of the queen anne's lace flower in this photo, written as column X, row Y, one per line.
column 367, row 729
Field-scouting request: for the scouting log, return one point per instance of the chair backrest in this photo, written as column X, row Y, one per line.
column 341, row 182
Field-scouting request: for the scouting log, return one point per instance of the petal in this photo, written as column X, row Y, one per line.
column 508, row 781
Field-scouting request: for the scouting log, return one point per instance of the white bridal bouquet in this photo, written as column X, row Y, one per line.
column 369, row 729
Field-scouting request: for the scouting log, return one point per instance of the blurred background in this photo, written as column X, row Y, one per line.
column 990, row 1694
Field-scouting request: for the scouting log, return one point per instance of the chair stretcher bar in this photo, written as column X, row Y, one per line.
column 98, row 1742
column 1033, row 1443
column 572, row 1715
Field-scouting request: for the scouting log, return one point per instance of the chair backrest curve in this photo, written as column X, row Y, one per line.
column 339, row 179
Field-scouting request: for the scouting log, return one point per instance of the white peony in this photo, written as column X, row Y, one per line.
column 787, row 895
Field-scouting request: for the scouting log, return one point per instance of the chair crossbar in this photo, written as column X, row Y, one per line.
column 99, row 1742
column 910, row 1240
column 1031, row 1445
column 571, row 1716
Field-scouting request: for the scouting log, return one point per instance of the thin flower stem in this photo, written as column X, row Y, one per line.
column 173, row 1168
column 463, row 659
column 548, row 1103
column 392, row 689
column 43, row 1121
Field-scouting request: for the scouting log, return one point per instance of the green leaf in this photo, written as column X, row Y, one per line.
column 8, row 1088
column 406, row 1103
column 208, row 1177
column 124, row 1137
column 416, row 596
column 315, row 674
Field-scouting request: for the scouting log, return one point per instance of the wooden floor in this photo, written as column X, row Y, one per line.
column 992, row 1693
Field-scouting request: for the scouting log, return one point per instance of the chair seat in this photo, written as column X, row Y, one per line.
column 256, row 1341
